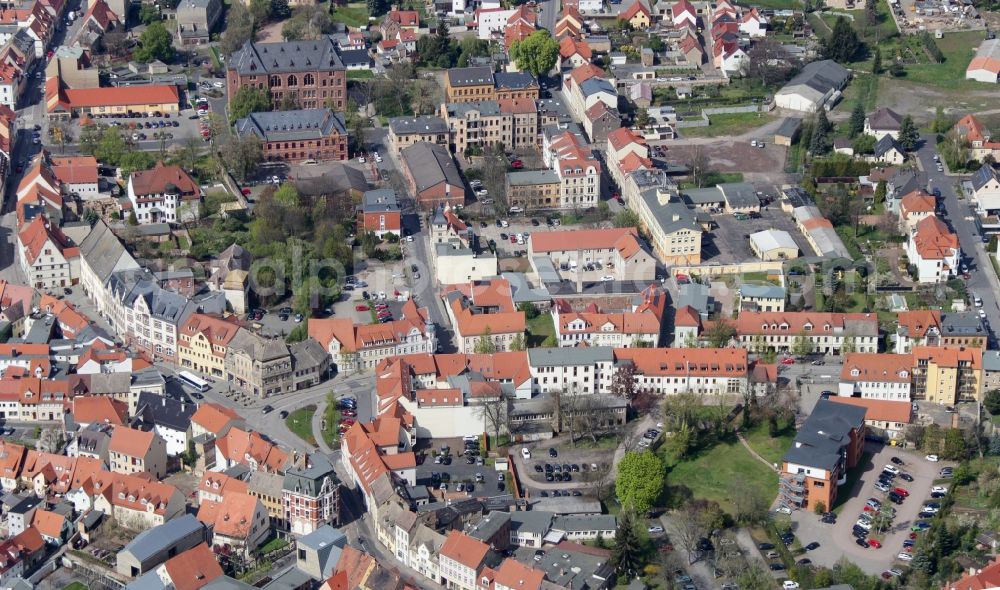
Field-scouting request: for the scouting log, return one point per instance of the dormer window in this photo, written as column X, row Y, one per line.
column 808, row 327
column 783, row 326
column 855, row 372
column 826, row 327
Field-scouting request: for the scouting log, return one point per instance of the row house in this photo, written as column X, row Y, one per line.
column 308, row 72
column 578, row 169
column 931, row 327
column 640, row 325
column 484, row 311
column 461, row 561
column 406, row 131
column 101, row 255
column 134, row 502
column 877, row 376
column 378, row 455
column 149, row 317
column 476, row 84
column 238, row 446
column 432, row 176
column 585, row 86
column 355, row 347
column 169, row 418
column 204, row 341
column 885, row 418
column 824, row 333
column 48, row 258
column 311, row 495
column 947, row 375
column 512, row 123
column 134, row 451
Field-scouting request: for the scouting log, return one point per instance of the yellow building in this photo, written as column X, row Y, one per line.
column 64, row 103
column 203, row 341
column 637, row 15
column 947, row 375
column 266, row 487
column 469, row 85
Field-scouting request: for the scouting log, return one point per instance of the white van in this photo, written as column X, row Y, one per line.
column 515, row 210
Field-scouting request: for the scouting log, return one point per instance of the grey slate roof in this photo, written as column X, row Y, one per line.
column 227, row 583
column 300, row 124
column 514, row 80
column 483, row 107
column 536, row 522
column 328, row 543
column 104, row 252
column 308, row 355
column 739, row 195
column 763, row 291
column 886, row 143
column 822, row 76
column 151, row 541
column 789, row 126
column 991, row 360
column 164, row 411
column 885, row 119
column 962, row 323
column 422, row 124
column 568, row 357
column 489, row 525
column 587, row 522
column 430, row 165
column 824, row 434
column 353, row 57
column 532, row 177
column 383, row 199
column 595, row 85
column 694, row 294
column 309, row 480
column 258, row 347
column 470, row 76
column 286, row 57
column 129, row 285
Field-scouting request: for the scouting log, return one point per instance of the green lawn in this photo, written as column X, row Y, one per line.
column 272, row 545
column 779, row 4
column 355, row 14
column 728, row 124
column 332, row 417
column 711, row 473
column 360, row 74
column 75, row 586
column 300, row 423
column 541, row 331
column 958, row 49
column 772, row 449
column 713, row 178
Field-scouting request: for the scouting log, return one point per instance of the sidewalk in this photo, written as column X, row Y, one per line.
column 317, row 427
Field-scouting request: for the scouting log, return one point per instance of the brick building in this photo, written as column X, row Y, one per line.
column 311, row 71
column 304, row 134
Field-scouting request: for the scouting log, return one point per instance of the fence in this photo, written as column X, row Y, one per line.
column 714, row 270
column 705, row 119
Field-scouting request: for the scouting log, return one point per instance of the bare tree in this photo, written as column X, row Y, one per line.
column 496, row 415
column 767, row 62
column 623, row 381
column 689, row 528
column 698, row 163
column 749, row 506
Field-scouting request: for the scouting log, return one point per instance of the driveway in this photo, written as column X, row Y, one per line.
column 836, row 540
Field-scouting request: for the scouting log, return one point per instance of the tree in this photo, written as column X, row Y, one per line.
column 485, row 344
column 857, row 119
column 535, row 54
column 627, row 218
column 376, row 7
column 871, row 14
column 116, row 43
column 720, row 334
column 148, row 14
column 908, row 134
column 819, row 508
column 881, row 521
column 623, row 381
column 132, row 219
column 642, row 118
column 842, row 44
column 242, row 155
column 801, row 345
column 753, row 577
column 656, row 44
column 157, row 44
column 881, row 190
column 767, row 62
column 698, row 166
column 749, row 506
column 261, row 10
column 693, row 522
column 863, row 144
column 820, row 143
column 249, row 100
column 877, row 62
column 518, row 343
column 640, row 480
column 280, row 9
column 992, row 401
column 627, row 553
column 239, row 29
column 496, row 415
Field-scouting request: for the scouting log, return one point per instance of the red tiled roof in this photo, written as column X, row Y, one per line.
column 155, row 181
column 131, row 442
column 99, row 409
column 933, row 240
column 889, row 368
column 880, row 410
column 982, row 579
column 194, row 568
column 464, row 549
column 121, row 96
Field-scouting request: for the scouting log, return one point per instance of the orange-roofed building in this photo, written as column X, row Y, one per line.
column 987, row 578
column 985, row 66
column 825, row 332
column 204, row 340
column 883, row 417
column 238, row 523
column 639, row 325
column 133, row 451
column 11, row 462
column 53, row 527
column 166, row 193
column 214, row 485
column 981, row 142
column 618, row 250
column 573, row 52
column 191, row 569
column 375, row 452
column 947, row 374
column 76, row 174
column 356, row 565
column 212, row 418
column 514, row 575
column 914, row 207
column 934, row 250
column 637, row 14
column 669, row 371
column 461, row 560
column 930, row 327
column 99, row 409
column 48, row 258
column 248, row 447
column 879, row 376
column 484, row 309
column 355, row 347
column 570, row 23
column 111, row 100
column 137, row 503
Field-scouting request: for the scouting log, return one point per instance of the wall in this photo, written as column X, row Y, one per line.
column 714, row 270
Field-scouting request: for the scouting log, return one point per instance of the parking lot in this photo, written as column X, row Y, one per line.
column 836, row 540
column 730, row 242
column 458, row 471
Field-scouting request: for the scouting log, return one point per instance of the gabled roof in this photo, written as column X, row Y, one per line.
column 131, row 442
column 465, row 550
column 99, row 409
column 933, row 239
column 885, row 119
column 194, row 568
column 568, row 47
column 214, row 417
column 233, row 517
column 637, row 6
column 157, row 180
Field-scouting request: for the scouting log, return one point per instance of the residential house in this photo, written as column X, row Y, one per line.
column 884, row 418
column 379, row 213
column 407, row 131
column 877, row 376
column 238, row 523
column 192, row 569
column 929, row 327
column 48, row 259
column 54, row 527
column 311, row 496
column 914, row 208
column 765, row 298
column 469, row 84
column 825, row 333
column 169, row 418
column 889, row 151
column 639, row 325
column 884, row 121
column 981, row 142
column 101, row 254
column 934, row 250
column 947, row 375
column 135, row 502
column 637, row 15
column 196, row 20
column 484, row 316
column 134, row 451
column 462, row 559
column 204, row 341
column 985, row 184
column 164, row 194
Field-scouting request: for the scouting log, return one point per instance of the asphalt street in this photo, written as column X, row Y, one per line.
column 982, row 280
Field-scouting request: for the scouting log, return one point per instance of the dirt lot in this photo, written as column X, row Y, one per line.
column 730, row 242
column 733, row 156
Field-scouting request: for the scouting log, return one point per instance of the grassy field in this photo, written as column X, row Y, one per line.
column 360, row 74
column 75, row 586
column 272, row 545
column 958, row 49
column 772, row 449
column 541, row 331
column 332, row 417
column 355, row 14
column 779, row 4
column 728, row 124
column 712, row 473
column 300, row 423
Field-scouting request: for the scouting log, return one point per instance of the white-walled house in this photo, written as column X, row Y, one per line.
column 934, row 250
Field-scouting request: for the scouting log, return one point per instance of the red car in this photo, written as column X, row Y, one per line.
column 788, row 361
column 874, row 543
column 360, row 308
column 245, row 191
column 347, row 421
column 901, row 492
column 518, row 164
column 513, row 239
